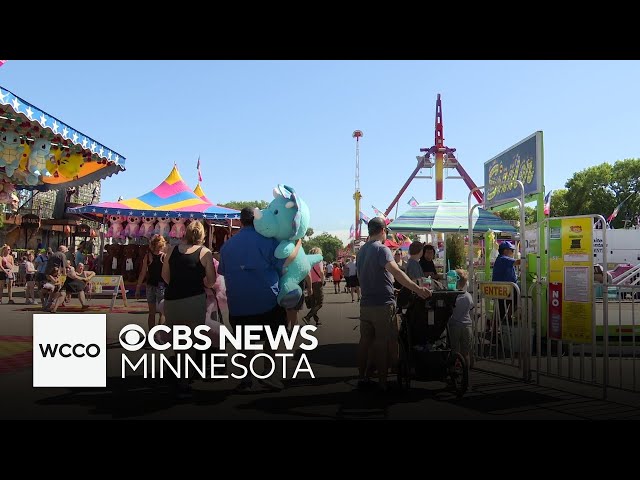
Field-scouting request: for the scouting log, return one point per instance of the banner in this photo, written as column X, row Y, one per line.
column 521, row 162
column 571, row 279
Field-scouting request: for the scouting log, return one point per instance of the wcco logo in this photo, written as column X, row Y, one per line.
column 69, row 350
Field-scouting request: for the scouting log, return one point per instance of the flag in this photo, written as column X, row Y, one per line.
column 413, row 202
column 617, row 209
column 547, row 202
column 363, row 217
column 351, row 232
column 378, row 212
column 199, row 172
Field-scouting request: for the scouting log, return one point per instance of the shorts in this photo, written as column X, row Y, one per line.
column 353, row 281
column 274, row 318
column 461, row 338
column 30, row 277
column 378, row 323
column 4, row 277
column 154, row 294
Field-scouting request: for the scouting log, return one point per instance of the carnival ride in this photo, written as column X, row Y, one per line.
column 441, row 157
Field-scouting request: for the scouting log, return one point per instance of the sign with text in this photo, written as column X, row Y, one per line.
column 571, row 279
column 496, row 290
column 115, row 282
column 30, row 221
column 521, row 162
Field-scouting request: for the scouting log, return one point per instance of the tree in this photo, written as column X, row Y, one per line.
column 589, row 191
column 601, row 188
column 559, row 206
column 309, row 233
column 329, row 244
column 239, row 205
column 456, row 256
column 513, row 214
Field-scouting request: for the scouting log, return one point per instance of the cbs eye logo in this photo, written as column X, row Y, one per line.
column 132, row 337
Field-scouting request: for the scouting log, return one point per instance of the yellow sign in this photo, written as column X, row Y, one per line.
column 496, row 290
column 571, row 279
column 107, row 280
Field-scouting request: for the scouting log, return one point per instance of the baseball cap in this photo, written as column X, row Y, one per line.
column 506, row 246
column 376, row 225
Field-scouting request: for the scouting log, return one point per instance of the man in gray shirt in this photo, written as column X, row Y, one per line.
column 414, row 270
column 460, row 326
column 378, row 325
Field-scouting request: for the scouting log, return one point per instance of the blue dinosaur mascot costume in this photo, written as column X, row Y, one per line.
column 287, row 219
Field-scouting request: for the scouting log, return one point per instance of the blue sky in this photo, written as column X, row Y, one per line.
column 257, row 124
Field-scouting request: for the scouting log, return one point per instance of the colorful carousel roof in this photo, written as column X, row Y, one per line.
column 172, row 198
column 40, row 152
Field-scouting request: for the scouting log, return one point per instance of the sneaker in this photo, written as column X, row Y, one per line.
column 272, row 382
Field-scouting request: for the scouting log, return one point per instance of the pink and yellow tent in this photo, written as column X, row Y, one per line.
column 173, row 198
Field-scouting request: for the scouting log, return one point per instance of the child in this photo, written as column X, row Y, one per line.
column 30, row 277
column 460, row 328
column 52, row 288
column 337, row 276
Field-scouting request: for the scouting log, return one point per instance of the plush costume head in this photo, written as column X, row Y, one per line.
column 286, row 217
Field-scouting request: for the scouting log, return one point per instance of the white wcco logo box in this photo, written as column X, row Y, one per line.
column 69, row 350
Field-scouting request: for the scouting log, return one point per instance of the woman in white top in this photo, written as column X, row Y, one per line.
column 30, row 276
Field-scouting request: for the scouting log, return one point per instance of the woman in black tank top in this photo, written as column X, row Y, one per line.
column 186, row 270
column 152, row 270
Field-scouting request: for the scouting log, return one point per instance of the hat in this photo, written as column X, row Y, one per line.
column 376, row 225
column 506, row 246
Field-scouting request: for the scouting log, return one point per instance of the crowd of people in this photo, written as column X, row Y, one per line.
column 182, row 282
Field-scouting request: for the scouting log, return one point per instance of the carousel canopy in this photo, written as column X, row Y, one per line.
column 40, row 152
column 448, row 217
column 172, row 198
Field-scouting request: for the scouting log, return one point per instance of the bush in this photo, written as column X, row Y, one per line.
column 456, row 254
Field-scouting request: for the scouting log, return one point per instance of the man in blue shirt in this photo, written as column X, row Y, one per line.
column 251, row 274
column 504, row 271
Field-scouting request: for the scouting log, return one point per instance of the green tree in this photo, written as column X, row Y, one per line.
column 329, row 244
column 559, row 206
column 239, row 205
column 513, row 214
column 589, row 191
column 456, row 256
column 309, row 233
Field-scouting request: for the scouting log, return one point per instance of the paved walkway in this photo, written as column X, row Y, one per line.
column 331, row 395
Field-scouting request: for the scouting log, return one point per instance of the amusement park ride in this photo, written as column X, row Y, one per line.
column 441, row 157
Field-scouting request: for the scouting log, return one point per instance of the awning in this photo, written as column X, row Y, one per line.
column 171, row 199
column 69, row 157
column 447, row 217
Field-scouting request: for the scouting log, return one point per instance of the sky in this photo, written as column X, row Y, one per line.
column 255, row 124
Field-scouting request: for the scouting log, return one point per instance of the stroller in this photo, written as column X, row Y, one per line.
column 424, row 347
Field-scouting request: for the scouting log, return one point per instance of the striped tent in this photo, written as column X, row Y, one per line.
column 173, row 198
column 447, row 217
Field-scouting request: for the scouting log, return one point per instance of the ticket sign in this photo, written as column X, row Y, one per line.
column 496, row 290
column 571, row 279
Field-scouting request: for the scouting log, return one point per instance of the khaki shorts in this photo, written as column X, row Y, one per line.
column 461, row 338
column 378, row 323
